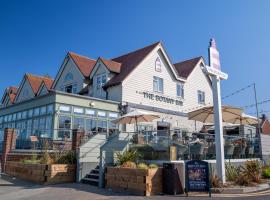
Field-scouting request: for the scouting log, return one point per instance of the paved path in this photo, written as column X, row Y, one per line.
column 14, row 189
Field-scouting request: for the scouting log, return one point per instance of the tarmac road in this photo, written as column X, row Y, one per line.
column 14, row 189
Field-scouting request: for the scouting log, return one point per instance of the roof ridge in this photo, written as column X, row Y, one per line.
column 198, row 57
column 70, row 52
column 131, row 52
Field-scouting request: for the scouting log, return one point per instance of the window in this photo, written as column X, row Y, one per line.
column 78, row 110
column 43, row 110
column 101, row 80
column 113, row 115
column 90, row 125
column 90, row 112
column 201, row 97
column 158, row 65
column 180, row 90
column 50, row 109
column 64, row 127
column 71, row 89
column 64, row 109
column 24, row 114
column 158, row 84
column 78, row 123
column 102, row 114
column 35, row 127
column 48, row 127
column 42, row 126
column 19, row 116
column 102, row 126
column 30, row 113
column 36, row 112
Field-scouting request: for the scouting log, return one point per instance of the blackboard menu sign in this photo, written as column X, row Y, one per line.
column 197, row 176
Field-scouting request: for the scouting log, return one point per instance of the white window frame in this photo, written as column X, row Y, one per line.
column 180, row 91
column 158, row 84
column 201, row 97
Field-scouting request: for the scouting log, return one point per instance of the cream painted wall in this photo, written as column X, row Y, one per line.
column 26, row 89
column 78, row 78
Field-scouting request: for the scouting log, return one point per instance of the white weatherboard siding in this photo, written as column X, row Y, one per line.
column 197, row 81
column 26, row 92
column 265, row 139
column 78, row 78
column 141, row 80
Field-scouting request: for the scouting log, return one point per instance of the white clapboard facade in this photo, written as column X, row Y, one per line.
column 134, row 86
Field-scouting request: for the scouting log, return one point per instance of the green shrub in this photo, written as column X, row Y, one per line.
column 68, row 157
column 232, row 172
column 153, row 166
column 142, row 166
column 129, row 164
column 126, row 156
column 266, row 172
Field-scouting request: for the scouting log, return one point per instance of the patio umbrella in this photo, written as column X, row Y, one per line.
column 135, row 117
column 244, row 119
column 206, row 114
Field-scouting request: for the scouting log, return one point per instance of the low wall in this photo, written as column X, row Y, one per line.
column 144, row 182
column 42, row 174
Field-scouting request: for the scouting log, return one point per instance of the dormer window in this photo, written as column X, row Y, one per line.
column 101, row 81
column 158, row 65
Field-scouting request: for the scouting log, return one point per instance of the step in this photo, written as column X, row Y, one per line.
column 90, row 181
column 95, row 171
column 93, row 176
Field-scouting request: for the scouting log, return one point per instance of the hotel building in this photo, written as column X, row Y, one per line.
column 89, row 93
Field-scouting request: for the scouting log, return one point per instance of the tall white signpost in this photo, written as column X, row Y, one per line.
column 214, row 70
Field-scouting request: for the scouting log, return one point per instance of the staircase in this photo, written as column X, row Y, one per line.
column 92, row 178
column 96, row 152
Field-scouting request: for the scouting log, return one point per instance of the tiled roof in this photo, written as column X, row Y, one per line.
column 111, row 65
column 36, row 81
column 185, row 68
column 48, row 82
column 84, row 64
column 129, row 62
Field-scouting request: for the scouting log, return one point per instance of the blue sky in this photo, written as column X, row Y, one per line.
column 35, row 36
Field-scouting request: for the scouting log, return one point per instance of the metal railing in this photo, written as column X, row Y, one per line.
column 154, row 145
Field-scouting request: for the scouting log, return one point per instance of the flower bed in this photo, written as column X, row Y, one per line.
column 144, row 182
column 42, row 173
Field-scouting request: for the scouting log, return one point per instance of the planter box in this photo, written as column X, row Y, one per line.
column 144, row 182
column 42, row 174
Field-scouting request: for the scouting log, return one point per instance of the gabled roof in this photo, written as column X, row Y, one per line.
column 35, row 82
column 111, row 65
column 11, row 92
column 48, row 82
column 185, row 68
column 84, row 63
column 129, row 62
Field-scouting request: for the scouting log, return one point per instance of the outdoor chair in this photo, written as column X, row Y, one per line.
column 196, row 150
column 182, row 151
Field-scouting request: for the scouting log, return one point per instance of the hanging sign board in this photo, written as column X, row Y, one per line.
column 197, row 177
column 214, row 62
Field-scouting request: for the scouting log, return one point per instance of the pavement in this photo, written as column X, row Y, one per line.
column 15, row 189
